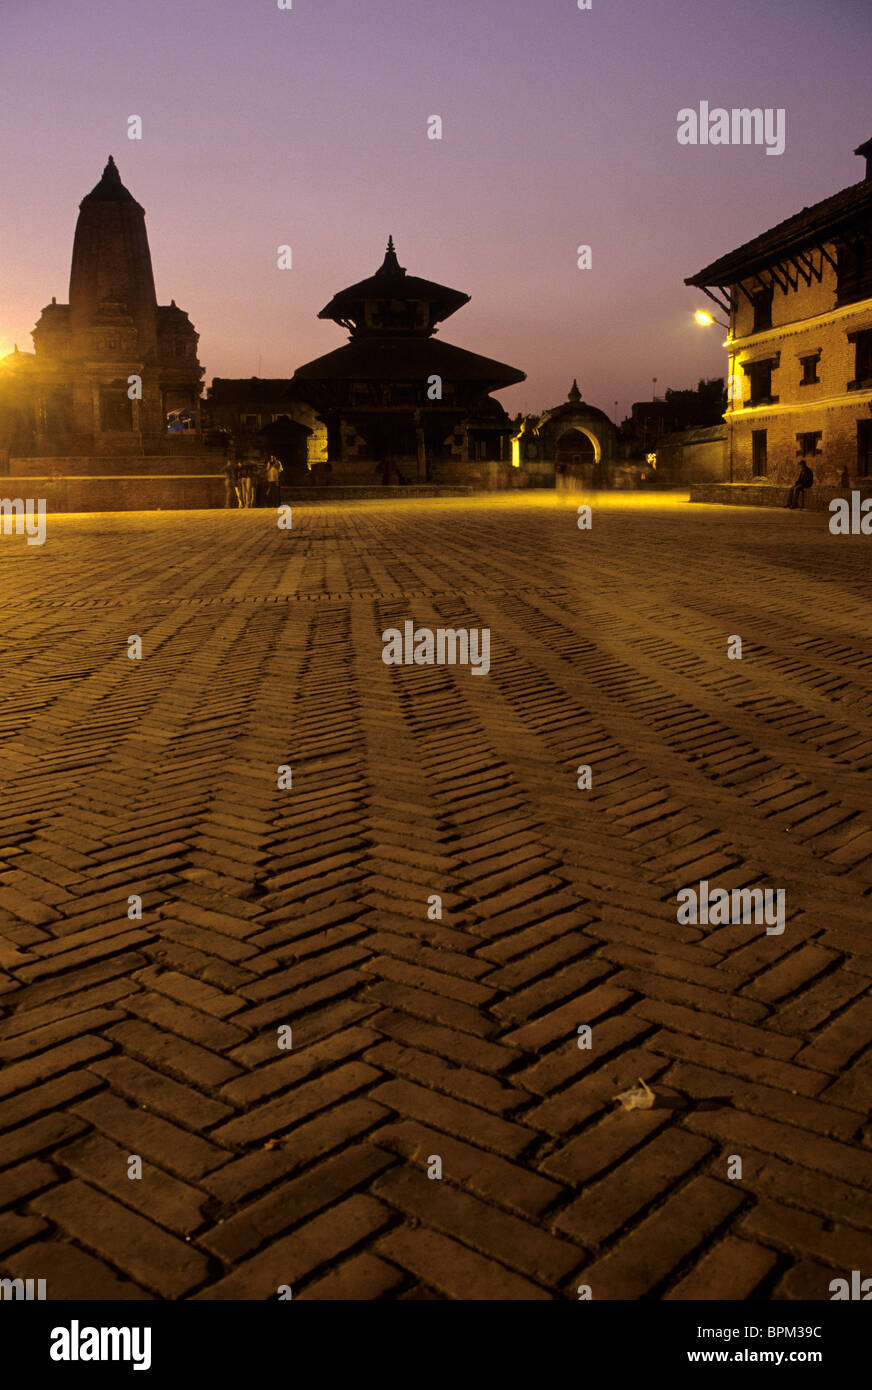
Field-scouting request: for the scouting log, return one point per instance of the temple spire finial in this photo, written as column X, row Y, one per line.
column 574, row 393
column 390, row 265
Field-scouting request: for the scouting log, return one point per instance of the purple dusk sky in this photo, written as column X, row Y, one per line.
column 309, row 127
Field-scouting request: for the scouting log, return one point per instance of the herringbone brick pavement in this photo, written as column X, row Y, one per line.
column 417, row 1036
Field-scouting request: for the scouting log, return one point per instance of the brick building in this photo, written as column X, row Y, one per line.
column 799, row 299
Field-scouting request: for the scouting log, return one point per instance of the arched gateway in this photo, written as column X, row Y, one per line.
column 581, row 440
column 576, row 447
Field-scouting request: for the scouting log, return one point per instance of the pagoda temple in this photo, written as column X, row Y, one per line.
column 396, row 400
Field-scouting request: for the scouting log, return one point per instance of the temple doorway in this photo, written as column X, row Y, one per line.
column 287, row 439
column 574, row 448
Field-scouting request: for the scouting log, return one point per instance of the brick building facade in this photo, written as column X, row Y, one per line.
column 799, row 299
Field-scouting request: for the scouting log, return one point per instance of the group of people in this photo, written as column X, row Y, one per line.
column 253, row 482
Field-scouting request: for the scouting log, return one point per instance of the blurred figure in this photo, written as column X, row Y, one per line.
column 274, row 470
column 231, row 476
column 247, row 478
column 260, row 483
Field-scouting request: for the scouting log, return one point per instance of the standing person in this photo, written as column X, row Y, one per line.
column 261, row 487
column 274, row 470
column 247, row 483
column 796, row 496
column 231, row 475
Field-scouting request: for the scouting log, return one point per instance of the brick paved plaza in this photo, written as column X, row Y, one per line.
column 416, row 1038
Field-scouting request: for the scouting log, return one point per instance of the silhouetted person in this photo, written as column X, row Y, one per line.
column 231, row 470
column 260, row 483
column 246, row 473
column 273, row 475
column 805, row 478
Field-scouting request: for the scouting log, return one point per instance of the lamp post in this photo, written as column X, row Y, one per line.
column 704, row 317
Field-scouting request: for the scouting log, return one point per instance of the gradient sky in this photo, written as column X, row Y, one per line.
column 309, row 127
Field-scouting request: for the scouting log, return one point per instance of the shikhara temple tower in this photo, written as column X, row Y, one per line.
column 396, row 400
column 75, row 396
column 105, row 412
column 111, row 265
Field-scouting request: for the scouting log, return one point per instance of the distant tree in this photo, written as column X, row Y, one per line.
column 675, row 410
column 697, row 409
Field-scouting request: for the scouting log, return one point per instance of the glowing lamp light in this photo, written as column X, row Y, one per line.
column 703, row 316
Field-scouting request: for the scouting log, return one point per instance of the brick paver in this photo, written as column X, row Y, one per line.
column 421, row 1040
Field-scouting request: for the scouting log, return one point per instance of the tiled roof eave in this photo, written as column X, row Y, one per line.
column 816, row 226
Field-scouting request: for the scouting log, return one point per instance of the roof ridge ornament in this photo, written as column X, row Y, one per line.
column 390, row 265
column 865, row 152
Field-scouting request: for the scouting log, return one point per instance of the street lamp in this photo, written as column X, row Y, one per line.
column 703, row 316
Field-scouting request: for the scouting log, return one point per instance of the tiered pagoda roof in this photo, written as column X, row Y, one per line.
column 391, row 318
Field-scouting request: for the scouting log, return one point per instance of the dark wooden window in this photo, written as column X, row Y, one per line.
column 760, row 376
column 864, row 448
column 758, row 453
column 854, row 274
column 807, row 443
column 116, row 409
column 809, row 369
column 57, row 412
column 762, row 300
column 862, row 358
